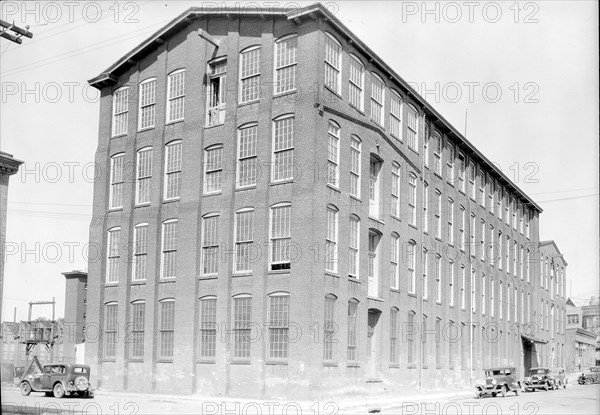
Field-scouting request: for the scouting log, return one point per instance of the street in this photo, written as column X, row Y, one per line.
column 576, row 399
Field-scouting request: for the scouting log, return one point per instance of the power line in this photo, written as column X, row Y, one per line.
column 568, row 198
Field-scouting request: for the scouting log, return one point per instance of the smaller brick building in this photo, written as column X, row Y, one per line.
column 75, row 313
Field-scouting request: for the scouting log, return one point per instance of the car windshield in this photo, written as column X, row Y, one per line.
column 497, row 372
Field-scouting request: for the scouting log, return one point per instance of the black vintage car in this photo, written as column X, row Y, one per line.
column 539, row 378
column 59, row 380
column 591, row 376
column 499, row 380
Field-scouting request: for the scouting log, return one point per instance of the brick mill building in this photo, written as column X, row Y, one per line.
column 280, row 214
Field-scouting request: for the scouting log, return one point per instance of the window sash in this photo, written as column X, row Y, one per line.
column 140, row 250
column 166, row 330
column 283, row 149
column 120, row 111
column 210, row 245
column 169, row 250
column 114, row 256
column 173, row 170
column 176, row 96
column 244, row 237
column 286, row 64
column 250, row 75
column 247, row 157
column 213, row 159
column 278, row 327
column 333, row 57
column 147, row 104
column 242, row 323
column 281, row 234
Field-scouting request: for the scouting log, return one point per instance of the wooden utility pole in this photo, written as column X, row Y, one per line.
column 5, row 27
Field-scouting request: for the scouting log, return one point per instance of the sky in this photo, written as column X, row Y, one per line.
column 525, row 73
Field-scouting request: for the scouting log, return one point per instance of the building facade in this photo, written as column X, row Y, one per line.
column 282, row 215
column 582, row 340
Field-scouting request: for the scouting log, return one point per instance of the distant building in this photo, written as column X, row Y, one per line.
column 8, row 166
column 284, row 216
column 583, row 334
column 75, row 313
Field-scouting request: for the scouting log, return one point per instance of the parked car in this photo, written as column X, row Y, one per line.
column 499, row 380
column 558, row 374
column 591, row 376
column 539, row 378
column 59, row 380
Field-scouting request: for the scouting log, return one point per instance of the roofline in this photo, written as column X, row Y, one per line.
column 552, row 242
column 107, row 77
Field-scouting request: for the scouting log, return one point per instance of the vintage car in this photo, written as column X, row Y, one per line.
column 59, row 380
column 539, row 378
column 591, row 376
column 500, row 380
column 558, row 374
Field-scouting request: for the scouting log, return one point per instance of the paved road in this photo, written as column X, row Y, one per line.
column 574, row 400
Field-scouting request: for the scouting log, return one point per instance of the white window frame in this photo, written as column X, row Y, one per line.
column 356, row 83
column 354, row 247
column 117, row 181
column 283, row 235
column 120, row 115
column 216, row 170
column 113, row 255
column 249, row 84
column 282, row 148
column 412, row 128
column 247, row 177
column 333, row 164
column 412, row 198
column 216, row 104
column 377, row 99
column 172, row 100
column 291, row 65
column 331, row 239
column 144, row 175
column 209, row 245
column 164, row 250
column 173, row 171
column 355, row 165
column 147, row 104
column 396, row 190
column 395, row 262
column 396, row 108
column 337, row 87
column 243, row 245
column 140, row 251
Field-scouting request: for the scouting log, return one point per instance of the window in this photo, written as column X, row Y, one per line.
column 463, row 286
column 374, row 194
column 331, row 247
column 147, row 113
column 213, row 168
column 250, row 74
column 216, row 92
column 426, row 146
column 354, row 247
column 472, row 176
column 438, row 214
column 351, row 354
column 461, row 171
column 498, row 197
column 472, row 234
column 483, row 304
column 140, row 251
column 514, row 255
column 210, row 244
column 333, row 64
column 450, row 162
column 412, row 131
column 438, row 279
column 438, row 339
column 492, row 304
column 173, row 170
column 507, row 253
column 333, row 154
column 473, row 305
column 166, row 329
column 116, row 181
column 527, row 218
column 521, row 214
column 283, row 149
column 246, row 162
column 452, row 338
column 410, row 338
column 355, row 164
column 424, row 276
column 500, row 300
column 286, row 50
column 451, row 284
column 114, row 256
column 412, row 198
column 461, row 229
column 482, row 241
column 424, row 356
column 281, row 236
column 120, row 111
column 506, row 199
column 356, row 83
column 508, row 307
column 411, row 267
column 425, row 207
column 491, row 193
column 481, row 187
column 208, row 327
column 394, row 354
column 279, row 312
column 110, row 330
column 169, row 249
column 138, row 317
column 373, row 264
column 437, row 154
column 396, row 116
column 242, row 324
column 329, row 328
column 244, row 237
column 144, row 175
column 176, row 95
column 514, row 214
column 377, row 99
column 394, row 268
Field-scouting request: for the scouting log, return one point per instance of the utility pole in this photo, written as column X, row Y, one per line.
column 19, row 33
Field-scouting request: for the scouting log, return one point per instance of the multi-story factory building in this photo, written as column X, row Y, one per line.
column 282, row 215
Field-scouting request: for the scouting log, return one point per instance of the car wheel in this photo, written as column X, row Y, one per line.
column 503, row 391
column 587, row 381
column 58, row 390
column 25, row 388
column 494, row 394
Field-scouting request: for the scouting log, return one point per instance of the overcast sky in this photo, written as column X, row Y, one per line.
column 527, row 75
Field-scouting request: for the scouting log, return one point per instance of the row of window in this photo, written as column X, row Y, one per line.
column 249, row 88
column 247, row 168
column 497, row 195
column 242, row 326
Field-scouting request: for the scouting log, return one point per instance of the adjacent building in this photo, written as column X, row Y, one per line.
column 75, row 315
column 583, row 337
column 280, row 214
